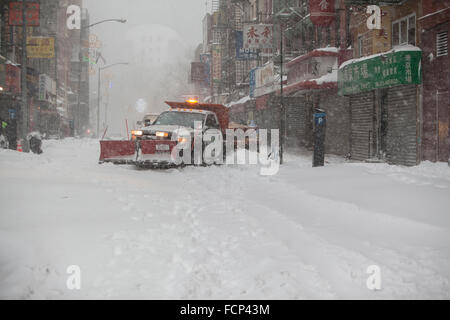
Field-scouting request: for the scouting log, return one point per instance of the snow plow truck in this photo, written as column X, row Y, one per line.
column 156, row 145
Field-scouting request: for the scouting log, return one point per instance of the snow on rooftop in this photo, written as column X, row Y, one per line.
column 329, row 49
column 241, row 101
column 329, row 77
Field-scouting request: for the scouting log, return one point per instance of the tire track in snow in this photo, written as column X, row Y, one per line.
column 404, row 276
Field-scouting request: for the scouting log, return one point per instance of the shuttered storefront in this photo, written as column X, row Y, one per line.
column 362, row 125
column 401, row 139
column 297, row 118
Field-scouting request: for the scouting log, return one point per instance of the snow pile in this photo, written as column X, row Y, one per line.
column 220, row 232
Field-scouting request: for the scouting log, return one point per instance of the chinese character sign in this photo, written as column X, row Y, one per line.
column 41, row 47
column 244, row 53
column 393, row 69
column 216, row 63
column 12, row 78
column 258, row 36
column 16, row 14
column 323, row 12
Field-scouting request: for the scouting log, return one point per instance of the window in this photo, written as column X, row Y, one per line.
column 442, row 44
column 404, row 31
column 211, row 122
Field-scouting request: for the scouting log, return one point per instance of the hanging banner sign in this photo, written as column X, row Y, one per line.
column 216, row 63
column 41, row 47
column 197, row 72
column 252, row 82
column 323, row 12
column 47, row 88
column 16, row 15
column 264, row 80
column 206, row 60
column 258, row 36
column 11, row 76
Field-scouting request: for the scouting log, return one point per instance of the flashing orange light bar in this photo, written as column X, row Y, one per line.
column 192, row 101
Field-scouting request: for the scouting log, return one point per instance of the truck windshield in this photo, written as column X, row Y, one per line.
column 182, row 119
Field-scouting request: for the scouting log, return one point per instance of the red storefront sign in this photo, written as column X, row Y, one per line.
column 323, row 12
column 12, row 78
column 16, row 16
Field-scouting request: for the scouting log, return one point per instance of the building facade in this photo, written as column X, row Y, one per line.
column 385, row 89
column 50, row 89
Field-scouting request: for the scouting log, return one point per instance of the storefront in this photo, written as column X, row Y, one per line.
column 312, row 85
column 385, row 105
column 10, row 102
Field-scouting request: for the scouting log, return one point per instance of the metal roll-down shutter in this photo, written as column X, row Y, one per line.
column 401, row 140
column 362, row 110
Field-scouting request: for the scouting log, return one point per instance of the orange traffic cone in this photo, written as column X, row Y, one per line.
column 19, row 146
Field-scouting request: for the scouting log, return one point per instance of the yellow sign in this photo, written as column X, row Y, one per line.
column 41, row 47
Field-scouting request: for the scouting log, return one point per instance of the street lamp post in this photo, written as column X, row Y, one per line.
column 284, row 16
column 77, row 114
column 99, row 91
column 24, row 125
column 282, row 109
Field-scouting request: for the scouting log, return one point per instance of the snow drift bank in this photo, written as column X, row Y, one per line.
column 220, row 232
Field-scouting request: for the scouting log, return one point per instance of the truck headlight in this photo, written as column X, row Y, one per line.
column 162, row 134
column 137, row 133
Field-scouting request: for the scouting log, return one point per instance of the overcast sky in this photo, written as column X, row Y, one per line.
column 182, row 16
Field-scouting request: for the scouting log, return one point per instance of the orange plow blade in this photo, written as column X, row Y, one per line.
column 118, row 152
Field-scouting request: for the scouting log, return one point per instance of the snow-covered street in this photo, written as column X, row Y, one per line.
column 220, row 232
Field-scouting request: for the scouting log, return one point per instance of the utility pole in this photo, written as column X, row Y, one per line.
column 100, row 69
column 282, row 109
column 86, row 27
column 77, row 112
column 24, row 107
